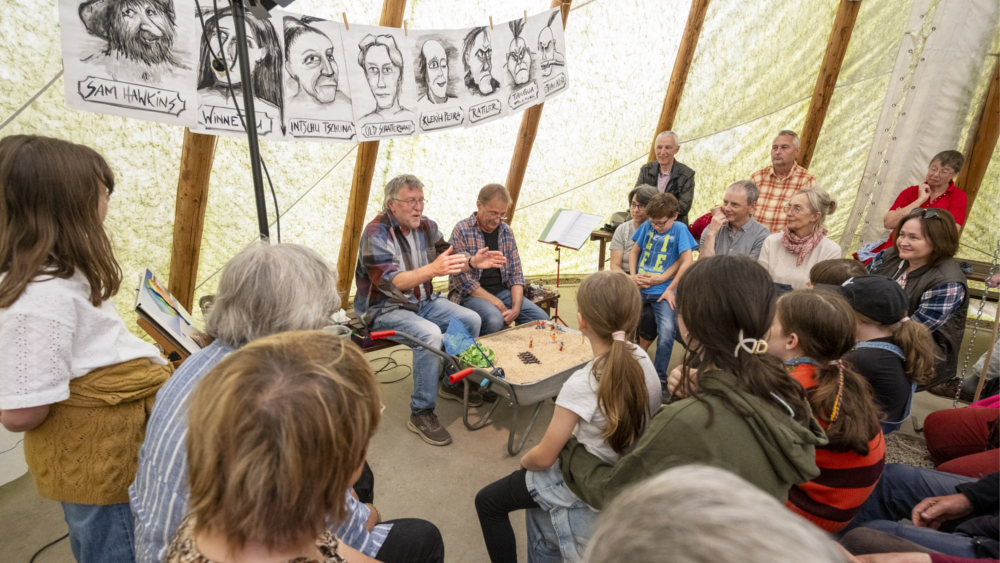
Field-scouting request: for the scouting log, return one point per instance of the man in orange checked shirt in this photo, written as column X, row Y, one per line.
column 779, row 182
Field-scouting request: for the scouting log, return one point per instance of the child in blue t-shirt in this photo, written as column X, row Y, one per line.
column 661, row 254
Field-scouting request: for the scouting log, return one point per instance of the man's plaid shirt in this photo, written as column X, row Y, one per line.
column 775, row 193
column 467, row 238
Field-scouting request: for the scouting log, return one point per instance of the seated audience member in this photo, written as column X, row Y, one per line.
column 789, row 255
column 938, row 190
column 660, row 243
column 812, row 330
column 606, row 404
column 401, row 252
column 621, row 249
column 668, row 175
column 742, row 411
column 780, row 181
column 893, row 353
column 701, row 514
column 265, row 289
column 835, row 272
column 951, row 514
column 497, row 293
column 921, row 262
column 733, row 229
column 964, row 441
column 278, row 430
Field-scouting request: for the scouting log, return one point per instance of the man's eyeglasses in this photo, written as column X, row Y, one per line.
column 412, row 201
column 494, row 215
column 924, row 213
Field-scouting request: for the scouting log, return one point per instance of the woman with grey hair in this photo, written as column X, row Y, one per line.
column 621, row 245
column 265, row 289
column 701, row 514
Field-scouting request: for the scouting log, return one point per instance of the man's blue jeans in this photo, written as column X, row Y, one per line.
column 666, row 321
column 901, row 488
column 101, row 534
column 492, row 317
column 426, row 325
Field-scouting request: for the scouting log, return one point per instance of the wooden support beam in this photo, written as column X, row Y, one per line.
column 826, row 82
column 189, row 214
column 682, row 64
column 982, row 142
column 361, row 184
column 526, row 135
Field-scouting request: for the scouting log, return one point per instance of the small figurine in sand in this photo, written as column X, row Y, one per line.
column 530, row 342
column 560, row 346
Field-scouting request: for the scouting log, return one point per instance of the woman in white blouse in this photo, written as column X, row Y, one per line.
column 789, row 255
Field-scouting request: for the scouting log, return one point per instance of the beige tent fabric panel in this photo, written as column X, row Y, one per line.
column 936, row 72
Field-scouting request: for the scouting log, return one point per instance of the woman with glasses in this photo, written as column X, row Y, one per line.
column 790, row 254
column 621, row 245
column 921, row 261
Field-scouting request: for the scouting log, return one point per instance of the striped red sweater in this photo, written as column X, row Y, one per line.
column 845, row 480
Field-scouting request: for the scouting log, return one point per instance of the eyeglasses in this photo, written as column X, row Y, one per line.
column 796, row 209
column 635, row 205
column 924, row 213
column 659, row 223
column 412, row 201
column 494, row 215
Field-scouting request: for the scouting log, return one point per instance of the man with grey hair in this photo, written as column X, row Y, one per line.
column 733, row 229
column 780, row 181
column 265, row 289
column 700, row 514
column 668, row 174
column 497, row 294
column 401, row 252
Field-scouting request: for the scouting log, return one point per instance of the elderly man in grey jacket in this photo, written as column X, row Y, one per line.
column 669, row 175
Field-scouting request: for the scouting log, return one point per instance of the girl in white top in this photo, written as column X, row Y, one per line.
column 606, row 405
column 71, row 375
column 789, row 255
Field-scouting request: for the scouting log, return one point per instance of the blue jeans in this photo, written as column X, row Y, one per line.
column 101, row 534
column 426, row 325
column 666, row 321
column 560, row 529
column 900, row 489
column 492, row 317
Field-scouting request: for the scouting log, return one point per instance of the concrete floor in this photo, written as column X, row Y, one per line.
column 412, row 479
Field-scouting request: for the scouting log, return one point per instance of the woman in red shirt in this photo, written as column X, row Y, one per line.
column 812, row 330
column 937, row 190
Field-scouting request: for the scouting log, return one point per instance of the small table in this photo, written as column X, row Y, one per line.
column 602, row 237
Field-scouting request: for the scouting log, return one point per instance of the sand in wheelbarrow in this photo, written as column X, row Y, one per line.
column 507, row 344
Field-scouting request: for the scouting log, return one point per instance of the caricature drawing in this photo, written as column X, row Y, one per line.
column 433, row 72
column 139, row 38
column 551, row 57
column 477, row 56
column 382, row 62
column 312, row 76
column 265, row 62
column 518, row 55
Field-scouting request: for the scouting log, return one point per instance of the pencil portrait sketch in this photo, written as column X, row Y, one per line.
column 434, row 81
column 518, row 56
column 138, row 38
column 312, row 76
column 548, row 50
column 382, row 62
column 477, row 57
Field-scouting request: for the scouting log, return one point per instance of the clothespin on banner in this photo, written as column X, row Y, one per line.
column 346, row 25
column 406, row 29
column 491, row 22
column 526, row 17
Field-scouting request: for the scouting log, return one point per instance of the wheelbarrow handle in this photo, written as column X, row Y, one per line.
column 375, row 335
column 459, row 375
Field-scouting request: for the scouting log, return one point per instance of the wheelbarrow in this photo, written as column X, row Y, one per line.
column 518, row 394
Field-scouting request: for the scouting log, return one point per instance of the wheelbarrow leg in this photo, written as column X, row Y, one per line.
column 484, row 420
column 527, row 431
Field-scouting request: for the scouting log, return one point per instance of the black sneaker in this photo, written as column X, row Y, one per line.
column 425, row 424
column 456, row 393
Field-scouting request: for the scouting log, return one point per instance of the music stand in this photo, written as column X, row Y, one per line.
column 559, row 248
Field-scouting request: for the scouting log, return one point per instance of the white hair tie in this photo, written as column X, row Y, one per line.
column 751, row 345
column 904, row 319
column 618, row 335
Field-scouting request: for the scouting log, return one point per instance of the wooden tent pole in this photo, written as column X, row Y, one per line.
column 982, row 143
column 682, row 64
column 189, row 214
column 826, row 82
column 364, row 167
column 526, row 135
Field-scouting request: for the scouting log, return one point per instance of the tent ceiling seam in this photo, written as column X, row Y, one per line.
column 30, row 101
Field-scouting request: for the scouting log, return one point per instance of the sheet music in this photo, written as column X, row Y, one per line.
column 579, row 232
column 564, row 222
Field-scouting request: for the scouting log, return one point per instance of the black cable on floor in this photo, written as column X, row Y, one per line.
column 391, row 364
column 46, row 546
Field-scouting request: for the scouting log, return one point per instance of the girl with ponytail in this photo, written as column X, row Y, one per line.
column 812, row 331
column 892, row 353
column 606, row 405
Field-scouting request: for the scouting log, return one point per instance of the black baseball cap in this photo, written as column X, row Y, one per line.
column 876, row 297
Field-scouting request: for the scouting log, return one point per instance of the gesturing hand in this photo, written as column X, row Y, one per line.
column 923, row 192
column 934, row 511
column 447, row 263
column 487, row 258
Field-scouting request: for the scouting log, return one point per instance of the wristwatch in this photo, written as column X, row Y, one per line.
column 471, row 267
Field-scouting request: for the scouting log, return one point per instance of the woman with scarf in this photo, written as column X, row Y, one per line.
column 789, row 255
